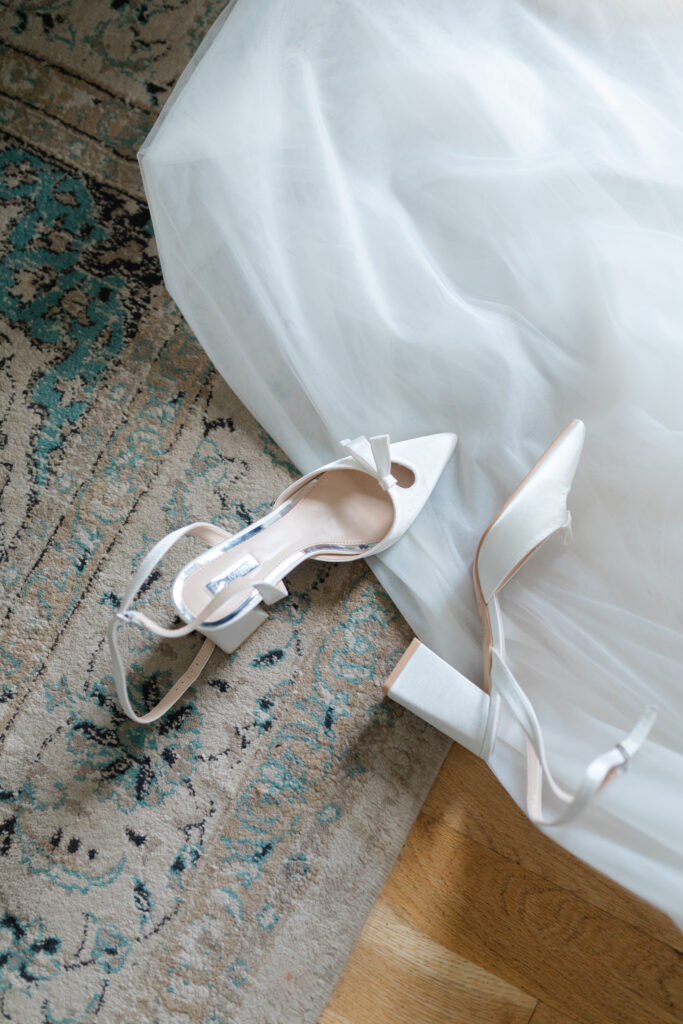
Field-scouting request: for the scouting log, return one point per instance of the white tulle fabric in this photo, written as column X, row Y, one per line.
column 415, row 217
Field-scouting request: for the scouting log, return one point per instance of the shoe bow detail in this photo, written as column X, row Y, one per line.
column 373, row 456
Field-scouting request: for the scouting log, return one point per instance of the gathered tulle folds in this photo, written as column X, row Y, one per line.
column 416, row 217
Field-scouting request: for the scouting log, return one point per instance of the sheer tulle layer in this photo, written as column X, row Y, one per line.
column 421, row 217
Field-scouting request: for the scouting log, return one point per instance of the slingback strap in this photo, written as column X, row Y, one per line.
column 269, row 593
column 598, row 773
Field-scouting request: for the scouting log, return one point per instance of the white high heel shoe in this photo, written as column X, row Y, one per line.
column 438, row 693
column 349, row 509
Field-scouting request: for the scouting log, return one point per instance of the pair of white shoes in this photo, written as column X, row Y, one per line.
column 359, row 506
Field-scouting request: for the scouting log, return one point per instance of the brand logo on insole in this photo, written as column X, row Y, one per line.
column 241, row 568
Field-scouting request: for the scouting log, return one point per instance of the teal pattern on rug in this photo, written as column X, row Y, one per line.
column 146, row 873
column 73, row 298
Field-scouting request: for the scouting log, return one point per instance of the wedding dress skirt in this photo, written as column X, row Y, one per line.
column 454, row 216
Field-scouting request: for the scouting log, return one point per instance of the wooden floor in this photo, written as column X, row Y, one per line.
column 486, row 921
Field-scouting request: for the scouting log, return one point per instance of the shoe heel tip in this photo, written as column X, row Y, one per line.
column 402, row 662
column 230, row 637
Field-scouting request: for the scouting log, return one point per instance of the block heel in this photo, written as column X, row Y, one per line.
column 428, row 686
column 233, row 634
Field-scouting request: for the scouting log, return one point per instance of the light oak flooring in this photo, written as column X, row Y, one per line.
column 486, row 921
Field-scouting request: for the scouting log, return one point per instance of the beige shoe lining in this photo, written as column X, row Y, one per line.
column 343, row 508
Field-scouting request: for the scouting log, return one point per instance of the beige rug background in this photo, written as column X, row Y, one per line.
column 216, row 867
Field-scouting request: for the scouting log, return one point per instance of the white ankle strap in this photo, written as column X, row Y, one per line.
column 598, row 773
column 212, row 535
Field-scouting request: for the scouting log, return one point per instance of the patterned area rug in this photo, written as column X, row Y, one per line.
column 215, row 867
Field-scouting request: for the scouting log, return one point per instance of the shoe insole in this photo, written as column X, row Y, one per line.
column 344, row 509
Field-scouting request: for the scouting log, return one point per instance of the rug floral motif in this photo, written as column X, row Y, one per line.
column 217, row 866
